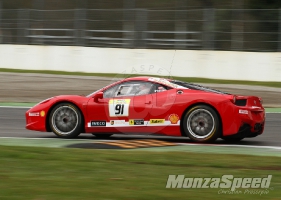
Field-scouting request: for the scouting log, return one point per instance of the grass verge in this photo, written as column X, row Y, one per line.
column 58, row 173
column 188, row 79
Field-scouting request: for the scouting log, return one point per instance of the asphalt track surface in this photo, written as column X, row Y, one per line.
column 12, row 124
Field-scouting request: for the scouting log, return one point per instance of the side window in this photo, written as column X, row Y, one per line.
column 110, row 92
column 143, row 88
column 160, row 88
column 124, row 90
column 133, row 88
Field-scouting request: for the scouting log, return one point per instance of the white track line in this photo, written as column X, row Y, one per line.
column 25, row 138
column 232, row 145
column 272, row 112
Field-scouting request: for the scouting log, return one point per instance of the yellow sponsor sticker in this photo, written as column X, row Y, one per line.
column 136, row 122
column 157, row 121
column 119, row 101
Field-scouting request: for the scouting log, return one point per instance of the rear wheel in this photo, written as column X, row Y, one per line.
column 66, row 120
column 201, row 124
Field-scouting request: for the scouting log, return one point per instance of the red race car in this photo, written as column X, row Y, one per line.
column 150, row 105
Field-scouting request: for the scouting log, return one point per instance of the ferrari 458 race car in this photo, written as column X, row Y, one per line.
column 150, row 105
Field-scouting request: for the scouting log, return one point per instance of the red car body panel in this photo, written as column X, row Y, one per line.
column 160, row 106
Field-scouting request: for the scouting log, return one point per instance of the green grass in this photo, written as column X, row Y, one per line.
column 19, row 104
column 59, row 173
column 188, row 79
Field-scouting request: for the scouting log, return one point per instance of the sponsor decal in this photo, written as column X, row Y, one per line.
column 98, row 123
column 119, row 107
column 117, row 122
column 174, row 118
column 33, row 114
column 42, row 113
column 157, row 121
column 243, row 111
column 136, row 122
column 227, row 184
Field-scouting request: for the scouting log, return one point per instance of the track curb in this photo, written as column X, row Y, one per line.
column 180, row 147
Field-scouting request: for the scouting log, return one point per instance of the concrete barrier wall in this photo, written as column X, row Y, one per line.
column 254, row 66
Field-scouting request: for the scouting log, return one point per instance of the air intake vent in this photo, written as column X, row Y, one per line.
column 241, row 102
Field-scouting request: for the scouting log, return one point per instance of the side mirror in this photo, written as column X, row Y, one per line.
column 98, row 96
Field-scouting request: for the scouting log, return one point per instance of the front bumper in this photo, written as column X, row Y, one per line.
column 35, row 120
column 246, row 131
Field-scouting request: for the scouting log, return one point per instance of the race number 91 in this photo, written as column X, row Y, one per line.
column 119, row 107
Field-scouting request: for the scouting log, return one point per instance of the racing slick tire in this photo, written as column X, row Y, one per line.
column 201, row 124
column 102, row 136
column 65, row 120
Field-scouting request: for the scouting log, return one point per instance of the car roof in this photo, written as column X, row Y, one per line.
column 159, row 80
column 142, row 78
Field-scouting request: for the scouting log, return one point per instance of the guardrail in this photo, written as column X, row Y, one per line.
column 193, row 29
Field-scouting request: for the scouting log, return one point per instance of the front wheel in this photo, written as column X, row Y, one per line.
column 201, row 124
column 66, row 120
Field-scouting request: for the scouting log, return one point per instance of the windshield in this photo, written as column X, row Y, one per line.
column 197, row 87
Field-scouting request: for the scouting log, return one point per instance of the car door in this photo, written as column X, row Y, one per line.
column 164, row 113
column 124, row 108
